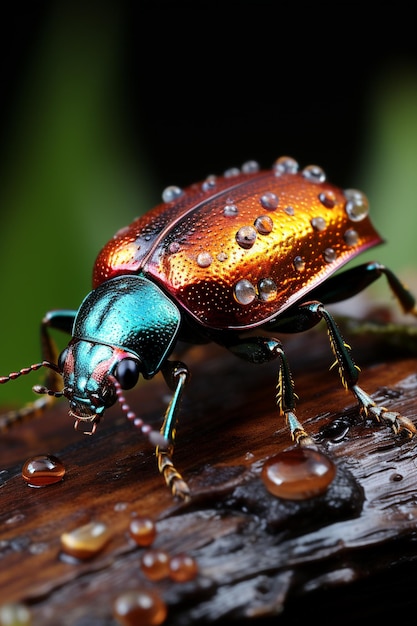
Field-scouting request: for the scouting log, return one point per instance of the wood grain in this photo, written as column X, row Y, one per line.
column 350, row 551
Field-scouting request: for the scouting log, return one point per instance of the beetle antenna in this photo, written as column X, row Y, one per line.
column 154, row 436
column 49, row 392
column 28, row 370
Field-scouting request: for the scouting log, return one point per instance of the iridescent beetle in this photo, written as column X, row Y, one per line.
column 248, row 250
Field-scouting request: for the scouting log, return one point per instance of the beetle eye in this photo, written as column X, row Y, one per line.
column 62, row 358
column 127, row 373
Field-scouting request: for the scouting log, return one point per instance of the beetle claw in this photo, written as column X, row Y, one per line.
column 298, row 434
column 395, row 420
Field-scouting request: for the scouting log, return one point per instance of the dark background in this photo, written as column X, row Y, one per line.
column 106, row 103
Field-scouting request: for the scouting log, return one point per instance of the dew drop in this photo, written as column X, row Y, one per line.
column 329, row 255
column 246, row 237
column 318, row 223
column 204, row 259
column 141, row 606
column 182, row 568
column 250, row 167
column 357, row 205
column 289, row 210
column 269, row 200
column 15, row 614
column 328, row 199
column 173, row 247
column 267, row 289
column 299, row 263
column 314, row 174
column 210, row 183
column 298, row 474
column 285, row 165
column 396, row 477
column 86, row 541
column 231, row 172
column 351, row 237
column 142, row 530
column 244, row 292
column 222, row 256
column 43, row 470
column 230, row 210
column 155, row 564
column 336, row 430
column 264, row 224
column 171, row 193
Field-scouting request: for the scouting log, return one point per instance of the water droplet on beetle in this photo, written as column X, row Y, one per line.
column 204, row 259
column 210, row 183
column 289, row 210
column 155, row 564
column 43, row 470
column 299, row 263
column 246, row 237
column 173, row 247
column 142, row 530
column 328, row 199
column 269, row 200
column 222, row 256
column 267, row 289
column 298, row 474
column 351, row 237
column 85, row 541
column 285, row 165
column 318, row 223
column 244, row 292
column 171, row 193
column 250, row 167
column 329, row 255
column 231, row 172
column 140, row 606
column 357, row 205
column 230, row 210
column 264, row 224
column 314, row 174
column 182, row 568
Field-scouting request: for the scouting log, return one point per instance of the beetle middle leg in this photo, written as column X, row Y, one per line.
column 262, row 350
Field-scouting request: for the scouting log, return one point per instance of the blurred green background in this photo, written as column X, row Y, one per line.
column 107, row 103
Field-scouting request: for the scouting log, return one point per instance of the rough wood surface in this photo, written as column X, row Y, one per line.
column 347, row 555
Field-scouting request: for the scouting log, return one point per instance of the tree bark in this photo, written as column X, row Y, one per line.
column 344, row 556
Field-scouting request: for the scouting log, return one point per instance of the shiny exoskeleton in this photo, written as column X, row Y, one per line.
column 247, row 250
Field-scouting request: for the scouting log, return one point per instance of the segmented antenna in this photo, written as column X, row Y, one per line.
column 154, row 436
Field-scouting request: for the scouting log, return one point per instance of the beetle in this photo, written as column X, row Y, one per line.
column 236, row 260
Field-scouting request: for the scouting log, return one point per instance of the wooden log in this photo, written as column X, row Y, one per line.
column 258, row 556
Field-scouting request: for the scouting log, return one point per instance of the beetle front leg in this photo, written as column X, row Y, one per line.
column 349, row 375
column 176, row 375
column 262, row 350
column 59, row 320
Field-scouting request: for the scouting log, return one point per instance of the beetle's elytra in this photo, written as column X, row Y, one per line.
column 246, row 250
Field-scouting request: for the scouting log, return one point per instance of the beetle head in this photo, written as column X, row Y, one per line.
column 91, row 374
column 124, row 327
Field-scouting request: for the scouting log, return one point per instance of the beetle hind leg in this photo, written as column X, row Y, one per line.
column 395, row 420
column 349, row 374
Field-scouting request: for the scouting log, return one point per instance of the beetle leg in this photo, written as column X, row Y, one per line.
column 349, row 374
column 262, row 350
column 176, row 374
